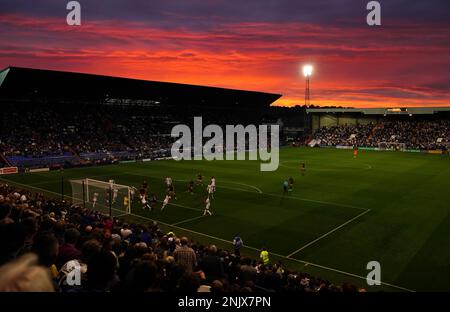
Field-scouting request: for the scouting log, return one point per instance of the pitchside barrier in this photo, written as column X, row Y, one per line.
column 439, row 152
column 9, row 170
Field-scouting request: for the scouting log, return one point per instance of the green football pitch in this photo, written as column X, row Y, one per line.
column 342, row 213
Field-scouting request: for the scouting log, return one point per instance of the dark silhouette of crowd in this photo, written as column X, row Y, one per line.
column 40, row 131
column 69, row 135
column 43, row 240
column 347, row 135
column 411, row 134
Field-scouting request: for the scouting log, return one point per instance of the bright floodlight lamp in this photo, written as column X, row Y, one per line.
column 307, row 70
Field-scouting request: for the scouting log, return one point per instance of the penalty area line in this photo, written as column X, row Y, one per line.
column 261, row 192
column 187, row 220
column 327, row 234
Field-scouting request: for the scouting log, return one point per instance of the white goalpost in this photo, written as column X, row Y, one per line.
column 391, row 146
column 106, row 197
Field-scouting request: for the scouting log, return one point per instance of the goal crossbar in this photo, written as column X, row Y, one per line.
column 117, row 197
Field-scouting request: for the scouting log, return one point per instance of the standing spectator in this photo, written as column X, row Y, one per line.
column 247, row 271
column 264, row 256
column 212, row 265
column 185, row 255
column 68, row 251
column 46, row 247
column 237, row 243
column 125, row 231
column 101, row 272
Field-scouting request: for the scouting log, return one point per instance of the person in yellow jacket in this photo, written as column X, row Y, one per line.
column 264, row 256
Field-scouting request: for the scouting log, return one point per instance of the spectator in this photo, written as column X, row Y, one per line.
column 125, row 231
column 185, row 255
column 189, row 283
column 212, row 265
column 46, row 247
column 237, row 243
column 264, row 256
column 101, row 272
column 247, row 271
column 24, row 275
column 68, row 251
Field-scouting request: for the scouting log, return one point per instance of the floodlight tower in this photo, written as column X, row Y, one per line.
column 307, row 72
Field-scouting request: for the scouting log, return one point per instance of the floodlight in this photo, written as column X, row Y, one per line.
column 307, row 70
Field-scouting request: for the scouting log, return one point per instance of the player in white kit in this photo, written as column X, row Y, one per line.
column 207, row 205
column 133, row 191
column 144, row 202
column 210, row 190
column 115, row 193
column 94, row 200
column 213, row 183
column 168, row 181
column 165, row 202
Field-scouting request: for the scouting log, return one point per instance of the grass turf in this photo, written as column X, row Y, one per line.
column 343, row 212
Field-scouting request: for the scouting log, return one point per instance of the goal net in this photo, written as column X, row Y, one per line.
column 391, row 146
column 106, row 197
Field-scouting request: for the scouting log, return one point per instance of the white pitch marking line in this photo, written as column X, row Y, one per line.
column 326, row 234
column 229, row 242
column 268, row 194
column 367, row 167
column 243, row 190
column 316, row 201
column 184, row 180
column 240, row 189
column 306, row 263
column 187, row 220
column 251, row 186
column 182, row 206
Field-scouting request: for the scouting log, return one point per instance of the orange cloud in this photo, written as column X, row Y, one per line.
column 400, row 65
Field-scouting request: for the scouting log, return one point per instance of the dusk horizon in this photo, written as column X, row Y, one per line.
column 258, row 46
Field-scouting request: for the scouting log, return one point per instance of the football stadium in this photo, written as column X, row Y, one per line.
column 363, row 185
column 220, row 155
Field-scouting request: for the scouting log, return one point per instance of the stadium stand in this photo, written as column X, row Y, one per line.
column 45, row 135
column 46, row 124
column 421, row 135
column 426, row 129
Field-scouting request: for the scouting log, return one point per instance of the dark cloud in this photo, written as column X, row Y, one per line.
column 200, row 13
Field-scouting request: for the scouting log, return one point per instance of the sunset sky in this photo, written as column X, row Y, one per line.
column 248, row 44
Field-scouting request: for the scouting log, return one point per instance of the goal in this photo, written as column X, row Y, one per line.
column 391, row 146
column 106, row 197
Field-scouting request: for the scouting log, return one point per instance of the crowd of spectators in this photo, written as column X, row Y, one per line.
column 43, row 240
column 347, row 135
column 425, row 135
column 83, row 134
column 412, row 134
column 39, row 131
